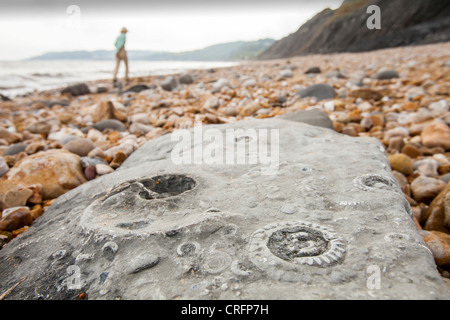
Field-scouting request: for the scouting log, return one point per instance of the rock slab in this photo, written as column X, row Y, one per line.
column 321, row 224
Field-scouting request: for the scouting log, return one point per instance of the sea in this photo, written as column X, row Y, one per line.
column 22, row 77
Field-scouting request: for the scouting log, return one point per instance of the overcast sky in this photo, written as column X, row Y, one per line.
column 33, row 27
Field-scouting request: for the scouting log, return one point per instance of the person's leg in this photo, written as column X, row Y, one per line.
column 125, row 60
column 116, row 69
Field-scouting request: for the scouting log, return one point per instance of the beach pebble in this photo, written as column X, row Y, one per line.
column 401, row 163
column 35, row 147
column 140, row 118
column 425, row 189
column 103, row 169
column 15, row 149
column 286, row 73
column 427, row 167
column 10, row 137
column 15, row 218
column 313, row 70
column 107, row 110
column 137, row 88
column 338, row 75
column 118, row 159
column 411, row 151
column 140, row 129
column 57, row 170
column 169, row 83
column 91, row 161
column 320, row 91
column 76, row 90
column 127, row 147
column 439, row 108
column 396, row 144
column 366, row 94
column 112, row 124
column 219, row 84
column 16, row 198
column 90, row 173
column 185, row 78
column 40, row 127
column 211, row 103
column 249, row 83
column 250, row 109
column 3, row 167
column 396, row 132
column 439, row 244
column 386, row 75
column 97, row 153
column 230, row 111
column 436, row 134
column 438, row 213
column 80, row 146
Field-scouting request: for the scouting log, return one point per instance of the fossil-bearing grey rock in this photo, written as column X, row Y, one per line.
column 330, row 223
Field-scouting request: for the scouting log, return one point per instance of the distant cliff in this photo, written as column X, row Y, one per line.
column 231, row 51
column 403, row 23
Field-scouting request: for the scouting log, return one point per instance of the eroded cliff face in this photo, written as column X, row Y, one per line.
column 403, row 23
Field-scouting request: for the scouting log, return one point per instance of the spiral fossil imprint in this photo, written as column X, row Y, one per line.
column 289, row 245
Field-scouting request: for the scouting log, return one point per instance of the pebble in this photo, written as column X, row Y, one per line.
column 103, row 169
column 3, row 167
column 80, row 146
column 286, row 73
column 16, row 198
column 250, row 109
column 425, row 189
column 221, row 83
column 90, row 173
column 185, row 79
column 15, row 218
column 107, row 110
column 76, row 90
column 15, row 149
column 313, row 70
column 320, row 91
column 10, row 137
column 57, row 170
column 427, row 167
column 436, row 134
column 41, row 127
column 439, row 244
column 91, row 161
column 337, row 74
column 437, row 216
column 118, row 159
column 366, row 94
column 140, row 129
column 110, row 124
column 137, row 88
column 401, row 163
column 411, row 151
column 386, row 75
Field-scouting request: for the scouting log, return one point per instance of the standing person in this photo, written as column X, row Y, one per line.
column 121, row 54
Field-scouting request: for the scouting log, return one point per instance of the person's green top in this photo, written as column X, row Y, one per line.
column 120, row 42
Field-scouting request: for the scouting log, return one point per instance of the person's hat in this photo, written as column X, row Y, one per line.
column 124, row 30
